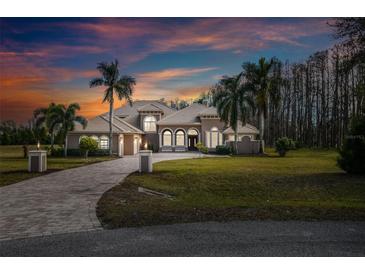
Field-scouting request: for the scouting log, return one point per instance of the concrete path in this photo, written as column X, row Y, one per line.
column 64, row 201
column 258, row 238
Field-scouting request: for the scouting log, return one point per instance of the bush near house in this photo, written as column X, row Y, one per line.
column 59, row 152
column 202, row 148
column 352, row 153
column 88, row 144
column 284, row 144
column 223, row 150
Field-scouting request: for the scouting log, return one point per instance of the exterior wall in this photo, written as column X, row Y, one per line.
column 174, row 129
column 151, row 138
column 246, row 146
column 230, row 137
column 73, row 141
column 207, row 124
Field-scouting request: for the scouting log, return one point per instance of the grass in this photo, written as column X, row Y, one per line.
column 13, row 167
column 305, row 185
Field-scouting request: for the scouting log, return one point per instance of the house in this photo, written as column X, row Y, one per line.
column 150, row 123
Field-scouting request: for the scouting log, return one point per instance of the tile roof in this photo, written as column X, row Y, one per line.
column 100, row 124
column 246, row 129
column 185, row 116
column 130, row 114
column 210, row 111
column 150, row 107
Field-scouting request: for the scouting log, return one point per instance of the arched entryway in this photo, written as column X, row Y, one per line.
column 193, row 138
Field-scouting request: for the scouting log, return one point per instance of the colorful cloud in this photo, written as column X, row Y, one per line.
column 53, row 59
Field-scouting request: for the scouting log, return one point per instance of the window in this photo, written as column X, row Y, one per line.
column 149, row 123
column 167, row 138
column 180, row 138
column 192, row 132
column 104, row 142
column 213, row 138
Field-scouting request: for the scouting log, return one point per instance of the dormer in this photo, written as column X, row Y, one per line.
column 149, row 114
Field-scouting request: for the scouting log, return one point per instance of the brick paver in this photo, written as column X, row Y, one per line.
column 64, row 201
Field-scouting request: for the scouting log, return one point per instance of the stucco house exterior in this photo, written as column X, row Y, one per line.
column 151, row 123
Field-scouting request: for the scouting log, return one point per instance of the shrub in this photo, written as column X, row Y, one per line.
column 202, row 148
column 352, row 153
column 284, row 144
column 223, row 150
column 152, row 147
column 59, row 152
column 292, row 144
column 88, row 144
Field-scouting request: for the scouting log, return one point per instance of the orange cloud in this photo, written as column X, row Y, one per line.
column 168, row 74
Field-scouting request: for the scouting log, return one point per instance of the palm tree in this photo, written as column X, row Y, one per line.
column 65, row 118
column 233, row 102
column 44, row 117
column 121, row 86
column 258, row 80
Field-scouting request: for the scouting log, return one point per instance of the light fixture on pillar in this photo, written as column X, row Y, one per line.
column 38, row 145
column 145, row 145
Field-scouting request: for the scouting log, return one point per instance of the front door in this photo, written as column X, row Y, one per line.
column 192, row 141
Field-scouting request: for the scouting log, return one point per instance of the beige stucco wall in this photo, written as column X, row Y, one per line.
column 185, row 128
column 207, row 124
column 73, row 140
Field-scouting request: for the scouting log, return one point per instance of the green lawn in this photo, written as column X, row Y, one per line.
column 13, row 167
column 305, row 185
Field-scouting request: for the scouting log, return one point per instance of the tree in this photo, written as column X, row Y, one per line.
column 66, row 118
column 88, row 144
column 259, row 81
column 233, row 101
column 352, row 153
column 122, row 86
column 47, row 117
column 351, row 32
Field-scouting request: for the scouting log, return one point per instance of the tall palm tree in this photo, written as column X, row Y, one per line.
column 122, row 86
column 65, row 118
column 44, row 117
column 233, row 101
column 258, row 80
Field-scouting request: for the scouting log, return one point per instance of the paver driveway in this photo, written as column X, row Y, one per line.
column 64, row 201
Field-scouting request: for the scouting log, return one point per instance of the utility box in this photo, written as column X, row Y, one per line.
column 145, row 161
column 37, row 160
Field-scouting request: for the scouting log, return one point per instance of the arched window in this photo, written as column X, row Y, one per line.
column 167, row 138
column 213, row 137
column 180, row 138
column 149, row 123
column 192, row 132
column 104, row 142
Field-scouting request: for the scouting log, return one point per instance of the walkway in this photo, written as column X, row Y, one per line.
column 64, row 201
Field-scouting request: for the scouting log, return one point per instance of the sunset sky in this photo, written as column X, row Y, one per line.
column 45, row 60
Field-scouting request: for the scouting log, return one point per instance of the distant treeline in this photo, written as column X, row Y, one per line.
column 11, row 134
column 314, row 101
